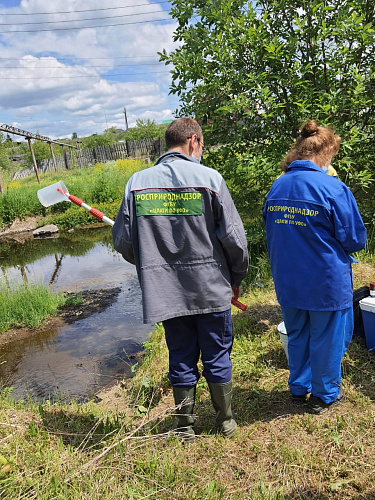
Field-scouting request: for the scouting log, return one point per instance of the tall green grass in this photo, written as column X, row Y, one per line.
column 27, row 305
column 101, row 186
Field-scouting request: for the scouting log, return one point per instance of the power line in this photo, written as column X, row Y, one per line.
column 75, row 11
column 81, row 76
column 80, row 20
column 74, row 67
column 87, row 27
column 82, row 58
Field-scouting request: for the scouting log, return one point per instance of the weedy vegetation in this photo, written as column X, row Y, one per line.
column 119, row 445
column 101, row 186
column 27, row 305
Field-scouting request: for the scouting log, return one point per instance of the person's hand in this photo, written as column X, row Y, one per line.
column 236, row 291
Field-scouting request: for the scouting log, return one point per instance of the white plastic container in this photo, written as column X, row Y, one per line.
column 283, row 337
column 50, row 195
column 367, row 306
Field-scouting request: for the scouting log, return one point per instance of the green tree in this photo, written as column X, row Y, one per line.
column 5, row 151
column 253, row 71
column 144, row 129
column 98, row 140
column 6, row 164
column 41, row 151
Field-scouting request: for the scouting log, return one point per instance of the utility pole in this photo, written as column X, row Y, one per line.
column 126, row 120
column 105, row 116
column 34, row 161
column 53, row 156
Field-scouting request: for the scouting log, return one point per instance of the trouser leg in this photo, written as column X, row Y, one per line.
column 348, row 328
column 182, row 341
column 328, row 342
column 181, row 336
column 215, row 341
column 215, row 337
column 297, row 324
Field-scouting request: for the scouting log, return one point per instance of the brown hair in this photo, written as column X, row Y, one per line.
column 180, row 130
column 314, row 142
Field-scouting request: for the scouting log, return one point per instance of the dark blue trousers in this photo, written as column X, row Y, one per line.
column 317, row 341
column 207, row 335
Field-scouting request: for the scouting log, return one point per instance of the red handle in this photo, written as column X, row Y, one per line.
column 93, row 211
column 97, row 213
column 238, row 304
column 75, row 200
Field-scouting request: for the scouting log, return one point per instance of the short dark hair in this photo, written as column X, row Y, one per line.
column 180, row 130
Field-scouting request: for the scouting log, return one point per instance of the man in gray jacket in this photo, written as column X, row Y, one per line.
column 178, row 224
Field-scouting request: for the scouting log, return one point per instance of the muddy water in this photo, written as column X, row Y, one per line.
column 76, row 360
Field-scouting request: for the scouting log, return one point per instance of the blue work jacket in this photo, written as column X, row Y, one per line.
column 312, row 225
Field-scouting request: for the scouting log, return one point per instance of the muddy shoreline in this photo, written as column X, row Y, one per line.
column 21, row 230
column 91, row 301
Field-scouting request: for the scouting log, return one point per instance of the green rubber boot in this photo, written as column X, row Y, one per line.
column 221, row 396
column 183, row 425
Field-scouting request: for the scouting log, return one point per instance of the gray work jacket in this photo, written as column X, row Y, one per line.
column 178, row 224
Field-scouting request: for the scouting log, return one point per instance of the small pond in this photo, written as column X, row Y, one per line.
column 76, row 360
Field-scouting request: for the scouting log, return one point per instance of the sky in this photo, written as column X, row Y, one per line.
column 70, row 66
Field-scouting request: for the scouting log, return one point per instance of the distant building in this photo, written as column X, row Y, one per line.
column 166, row 122
column 18, row 158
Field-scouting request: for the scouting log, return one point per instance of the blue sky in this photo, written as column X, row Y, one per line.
column 71, row 66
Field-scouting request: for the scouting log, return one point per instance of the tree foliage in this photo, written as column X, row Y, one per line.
column 145, row 129
column 41, row 151
column 5, row 161
column 95, row 140
column 253, row 71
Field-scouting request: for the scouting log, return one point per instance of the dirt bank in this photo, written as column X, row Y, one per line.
column 20, row 226
column 20, row 230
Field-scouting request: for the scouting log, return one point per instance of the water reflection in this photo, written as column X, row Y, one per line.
column 80, row 358
column 75, row 254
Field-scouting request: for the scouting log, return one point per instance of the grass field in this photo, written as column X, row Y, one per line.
column 120, row 447
column 101, row 186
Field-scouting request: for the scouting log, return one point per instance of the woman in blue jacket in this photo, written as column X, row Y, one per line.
column 312, row 226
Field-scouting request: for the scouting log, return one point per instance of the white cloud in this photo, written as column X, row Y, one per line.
column 59, row 82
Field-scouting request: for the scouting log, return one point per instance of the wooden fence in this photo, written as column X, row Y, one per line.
column 82, row 158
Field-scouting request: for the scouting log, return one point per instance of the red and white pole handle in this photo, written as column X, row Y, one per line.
column 93, row 211
column 238, row 304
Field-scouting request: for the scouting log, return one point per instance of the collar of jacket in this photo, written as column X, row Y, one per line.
column 304, row 165
column 174, row 154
